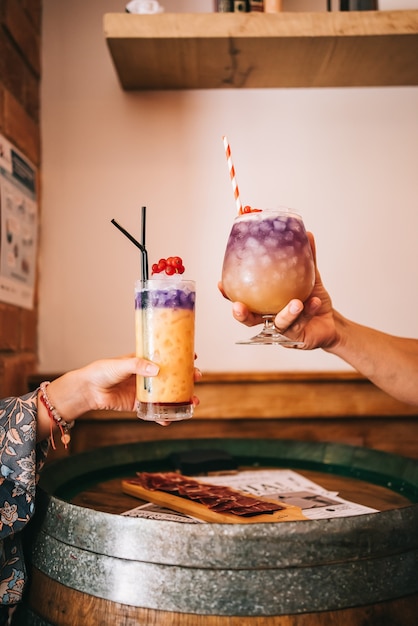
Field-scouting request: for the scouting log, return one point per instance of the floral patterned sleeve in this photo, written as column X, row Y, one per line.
column 21, row 459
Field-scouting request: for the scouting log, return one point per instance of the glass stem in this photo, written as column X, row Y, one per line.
column 269, row 327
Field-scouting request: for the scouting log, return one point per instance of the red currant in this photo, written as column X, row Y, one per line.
column 171, row 265
column 177, row 262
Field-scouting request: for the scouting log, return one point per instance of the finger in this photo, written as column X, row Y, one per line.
column 122, row 368
column 313, row 245
column 312, row 306
column 144, row 367
column 221, row 289
column 243, row 315
column 288, row 315
column 106, row 373
column 240, row 311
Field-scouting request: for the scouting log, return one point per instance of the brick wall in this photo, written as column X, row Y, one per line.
column 20, row 73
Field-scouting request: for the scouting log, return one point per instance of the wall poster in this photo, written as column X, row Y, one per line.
column 19, row 227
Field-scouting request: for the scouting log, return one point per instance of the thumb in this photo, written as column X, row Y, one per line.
column 113, row 371
column 136, row 365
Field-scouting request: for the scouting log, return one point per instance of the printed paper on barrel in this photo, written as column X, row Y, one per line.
column 211, row 503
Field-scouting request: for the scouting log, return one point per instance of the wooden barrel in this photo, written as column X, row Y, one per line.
column 93, row 566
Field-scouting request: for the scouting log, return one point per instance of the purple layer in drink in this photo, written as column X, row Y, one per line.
column 166, row 298
column 268, row 261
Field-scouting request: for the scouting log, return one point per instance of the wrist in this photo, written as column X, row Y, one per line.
column 346, row 340
column 55, row 419
column 69, row 394
column 337, row 340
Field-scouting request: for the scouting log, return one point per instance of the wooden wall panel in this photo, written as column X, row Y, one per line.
column 337, row 407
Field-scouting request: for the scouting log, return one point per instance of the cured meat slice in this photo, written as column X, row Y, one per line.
column 218, row 498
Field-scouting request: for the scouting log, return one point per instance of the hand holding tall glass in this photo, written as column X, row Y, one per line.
column 268, row 261
column 165, row 323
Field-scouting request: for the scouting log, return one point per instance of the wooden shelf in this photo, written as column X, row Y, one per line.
column 258, row 50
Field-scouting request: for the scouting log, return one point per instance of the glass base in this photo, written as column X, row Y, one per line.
column 164, row 411
column 270, row 336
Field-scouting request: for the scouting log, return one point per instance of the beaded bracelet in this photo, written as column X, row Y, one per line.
column 55, row 417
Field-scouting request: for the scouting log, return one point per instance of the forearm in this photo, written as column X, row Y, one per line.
column 104, row 384
column 68, row 396
column 389, row 362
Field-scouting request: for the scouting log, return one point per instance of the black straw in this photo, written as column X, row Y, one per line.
column 143, row 240
column 143, row 224
column 144, row 253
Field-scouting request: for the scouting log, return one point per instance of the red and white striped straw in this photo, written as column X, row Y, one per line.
column 232, row 175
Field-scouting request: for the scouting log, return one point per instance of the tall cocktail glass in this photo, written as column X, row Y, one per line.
column 268, row 261
column 165, row 323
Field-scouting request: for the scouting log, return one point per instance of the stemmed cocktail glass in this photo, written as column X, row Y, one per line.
column 268, row 261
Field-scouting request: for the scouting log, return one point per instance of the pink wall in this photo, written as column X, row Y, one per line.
column 344, row 158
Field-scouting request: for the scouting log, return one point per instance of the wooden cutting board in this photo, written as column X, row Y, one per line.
column 183, row 505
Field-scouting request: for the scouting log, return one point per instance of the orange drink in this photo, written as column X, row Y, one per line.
column 165, row 323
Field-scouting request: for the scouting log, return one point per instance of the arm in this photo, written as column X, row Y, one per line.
column 389, row 362
column 103, row 384
column 25, row 420
column 20, row 460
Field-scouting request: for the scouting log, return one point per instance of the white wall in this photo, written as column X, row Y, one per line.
column 346, row 159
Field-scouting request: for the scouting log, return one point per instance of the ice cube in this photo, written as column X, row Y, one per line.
column 279, row 224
